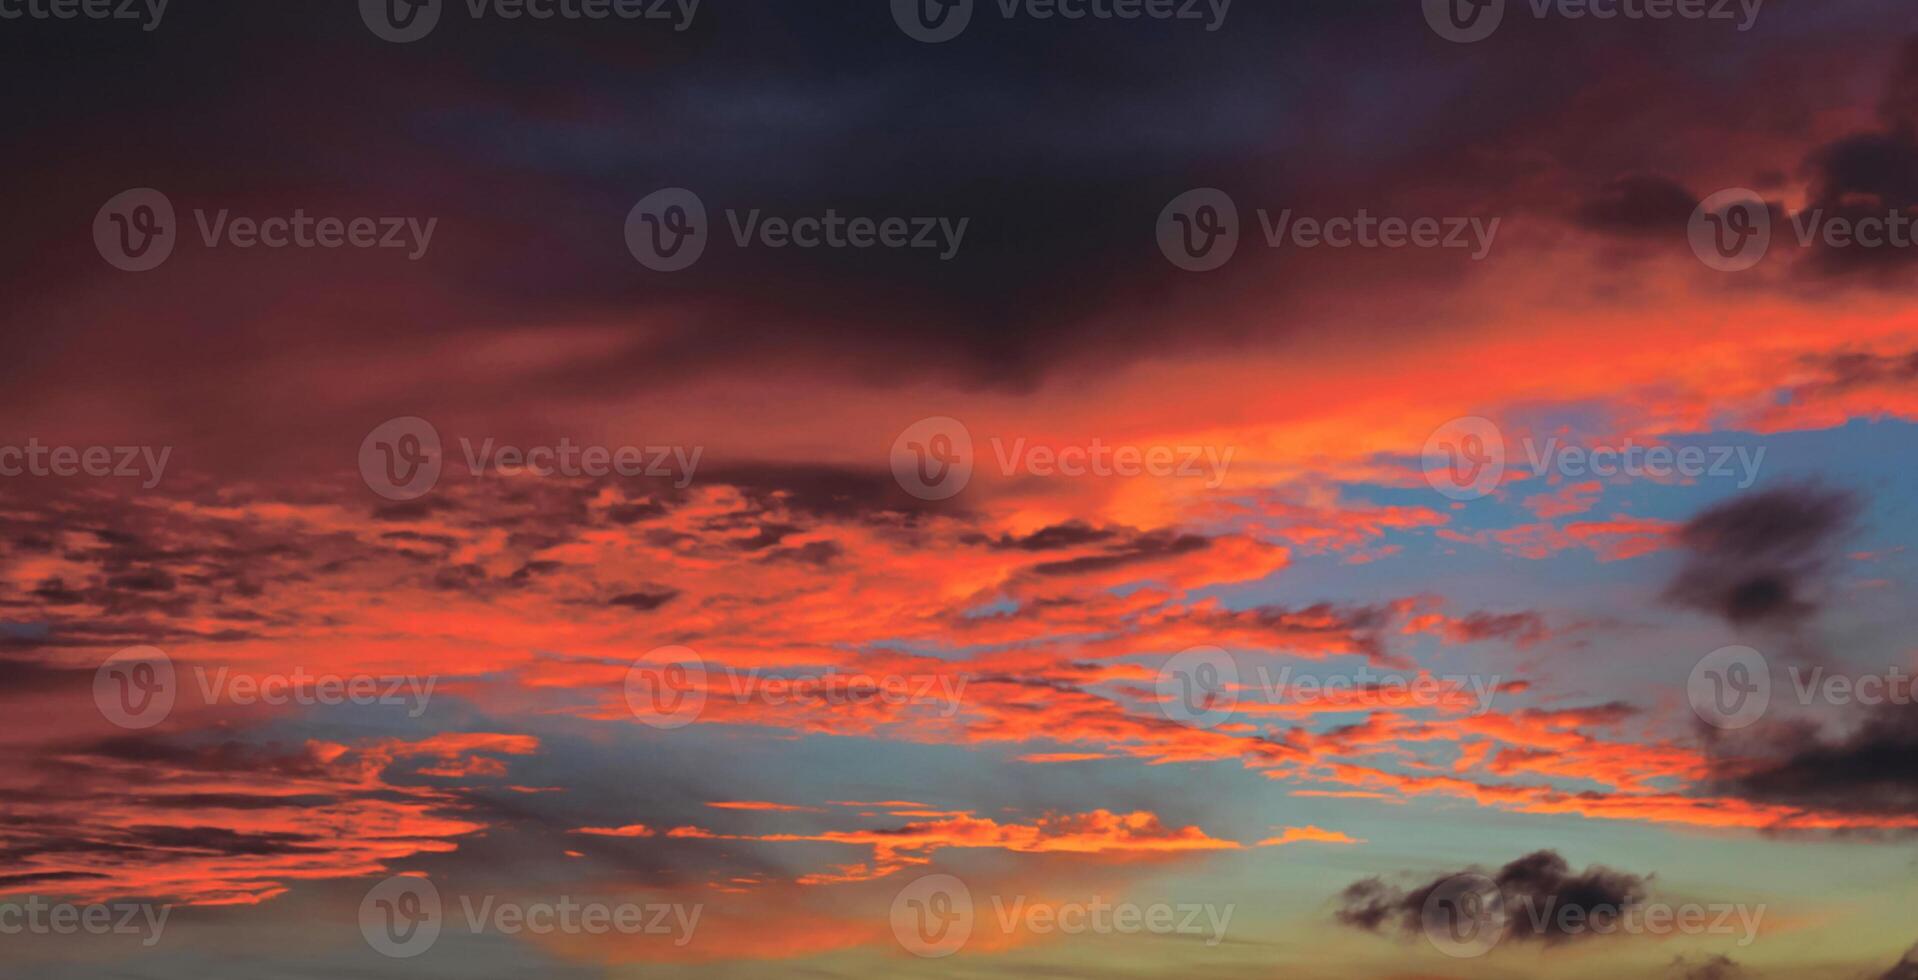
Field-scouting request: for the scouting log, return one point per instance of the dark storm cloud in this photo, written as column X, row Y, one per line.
column 1071, row 534
column 1706, row 968
column 1905, row 969
column 1639, row 205
column 1144, row 548
column 1060, row 141
column 1760, row 558
column 1871, row 769
column 1540, row 882
column 645, row 600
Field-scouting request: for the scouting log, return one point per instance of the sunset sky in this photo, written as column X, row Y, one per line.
column 812, row 615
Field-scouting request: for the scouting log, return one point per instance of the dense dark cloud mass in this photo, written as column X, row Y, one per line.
column 1535, row 888
column 1757, row 560
column 1872, row 769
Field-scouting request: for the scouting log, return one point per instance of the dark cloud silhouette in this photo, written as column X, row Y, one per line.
column 1906, row 969
column 1536, row 889
column 1758, row 559
column 1873, row 769
column 1706, row 968
column 1639, row 205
